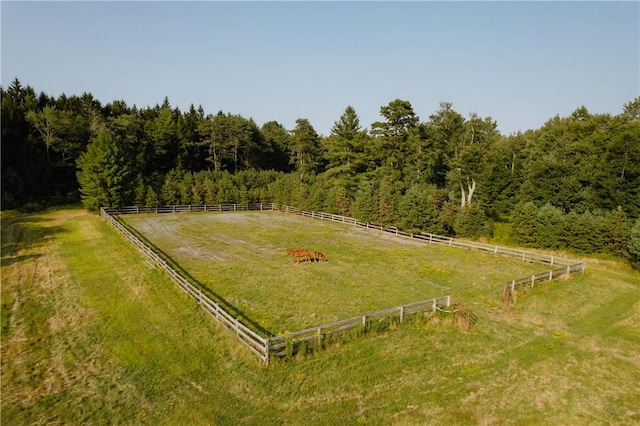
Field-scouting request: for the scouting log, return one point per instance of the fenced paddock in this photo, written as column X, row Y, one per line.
column 264, row 346
column 566, row 266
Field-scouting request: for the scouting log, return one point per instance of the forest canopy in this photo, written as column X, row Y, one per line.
column 572, row 183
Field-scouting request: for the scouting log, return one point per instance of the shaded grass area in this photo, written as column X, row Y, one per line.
column 92, row 336
column 243, row 258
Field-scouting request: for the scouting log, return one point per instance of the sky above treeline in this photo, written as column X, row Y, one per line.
column 520, row 63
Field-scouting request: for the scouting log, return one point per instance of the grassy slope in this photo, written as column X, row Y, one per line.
column 90, row 335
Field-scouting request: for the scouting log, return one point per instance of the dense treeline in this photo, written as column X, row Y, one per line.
column 573, row 183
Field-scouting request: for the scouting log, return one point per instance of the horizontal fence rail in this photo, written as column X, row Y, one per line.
column 265, row 347
column 187, row 208
column 525, row 256
column 280, row 345
column 256, row 343
column 529, row 281
column 567, row 266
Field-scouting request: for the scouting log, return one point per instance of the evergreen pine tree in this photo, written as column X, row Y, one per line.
column 103, row 174
column 634, row 245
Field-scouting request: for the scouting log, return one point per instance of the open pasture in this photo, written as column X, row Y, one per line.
column 90, row 335
column 241, row 257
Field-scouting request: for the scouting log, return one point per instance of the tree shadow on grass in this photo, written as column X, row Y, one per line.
column 25, row 233
column 222, row 302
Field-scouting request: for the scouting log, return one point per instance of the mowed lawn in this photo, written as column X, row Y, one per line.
column 90, row 335
column 242, row 258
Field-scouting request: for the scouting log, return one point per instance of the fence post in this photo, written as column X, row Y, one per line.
column 533, row 280
column 319, row 336
column 364, row 321
column 552, row 260
column 513, row 285
column 568, row 269
column 550, row 275
column 267, row 348
column 448, row 301
column 435, row 306
column 401, row 313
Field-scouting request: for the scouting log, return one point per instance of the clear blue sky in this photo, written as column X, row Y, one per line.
column 519, row 62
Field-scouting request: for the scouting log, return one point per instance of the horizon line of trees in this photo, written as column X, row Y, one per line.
column 447, row 174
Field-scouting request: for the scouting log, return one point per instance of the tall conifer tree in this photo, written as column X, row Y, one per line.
column 104, row 175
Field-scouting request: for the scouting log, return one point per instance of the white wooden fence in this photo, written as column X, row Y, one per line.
column 263, row 347
column 567, row 266
column 525, row 256
column 315, row 336
column 186, row 208
column 256, row 343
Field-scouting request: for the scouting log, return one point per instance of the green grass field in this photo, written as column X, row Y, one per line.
column 90, row 335
column 242, row 258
